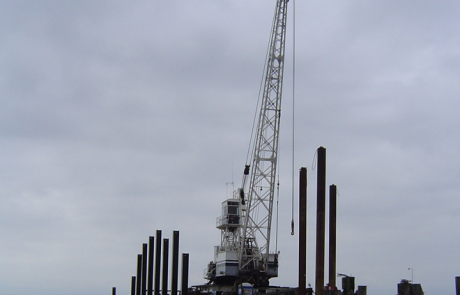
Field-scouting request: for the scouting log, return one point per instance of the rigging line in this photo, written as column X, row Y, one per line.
column 252, row 142
column 277, row 201
column 315, row 156
column 293, row 119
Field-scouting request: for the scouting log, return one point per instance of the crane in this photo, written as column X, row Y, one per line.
column 244, row 252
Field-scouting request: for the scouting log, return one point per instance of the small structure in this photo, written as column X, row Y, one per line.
column 348, row 285
column 407, row 288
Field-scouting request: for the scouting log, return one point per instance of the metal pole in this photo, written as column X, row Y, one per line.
column 302, row 230
column 164, row 286
column 457, row 285
column 133, row 285
column 157, row 262
column 412, row 274
column 150, row 274
column 184, row 288
column 320, row 221
column 139, row 273
column 144, row 269
column 175, row 263
column 114, row 291
column 332, row 234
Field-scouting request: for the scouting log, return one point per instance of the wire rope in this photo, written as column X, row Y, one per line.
column 293, row 119
column 252, row 140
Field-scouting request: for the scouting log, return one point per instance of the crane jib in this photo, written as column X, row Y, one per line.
column 257, row 227
column 245, row 224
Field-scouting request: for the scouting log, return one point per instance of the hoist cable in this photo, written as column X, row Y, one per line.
column 293, row 118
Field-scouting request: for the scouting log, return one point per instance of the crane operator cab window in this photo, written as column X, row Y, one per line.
column 231, row 212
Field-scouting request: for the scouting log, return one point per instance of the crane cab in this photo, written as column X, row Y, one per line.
column 230, row 218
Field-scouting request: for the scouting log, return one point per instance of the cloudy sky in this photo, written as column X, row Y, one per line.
column 118, row 118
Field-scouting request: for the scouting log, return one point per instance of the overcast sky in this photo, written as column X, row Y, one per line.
column 118, row 118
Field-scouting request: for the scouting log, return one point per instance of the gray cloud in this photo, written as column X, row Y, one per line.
column 120, row 118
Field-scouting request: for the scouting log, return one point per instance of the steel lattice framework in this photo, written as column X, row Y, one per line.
column 258, row 217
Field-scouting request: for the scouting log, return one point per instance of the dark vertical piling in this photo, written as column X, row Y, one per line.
column 144, row 269
column 133, row 285
column 457, row 285
column 175, row 262
column 150, row 267
column 157, row 262
column 320, row 221
column 332, row 234
column 164, row 285
column 114, row 291
column 139, row 274
column 302, row 231
column 184, row 288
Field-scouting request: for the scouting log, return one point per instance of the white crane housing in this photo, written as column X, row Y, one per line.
column 244, row 253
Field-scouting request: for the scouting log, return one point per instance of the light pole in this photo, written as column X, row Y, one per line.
column 412, row 274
